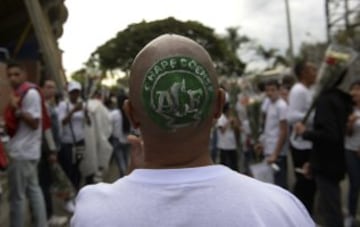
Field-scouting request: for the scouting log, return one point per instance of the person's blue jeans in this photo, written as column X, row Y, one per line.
column 120, row 154
column 353, row 167
column 23, row 182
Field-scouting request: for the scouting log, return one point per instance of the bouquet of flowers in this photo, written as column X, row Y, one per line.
column 333, row 69
column 254, row 115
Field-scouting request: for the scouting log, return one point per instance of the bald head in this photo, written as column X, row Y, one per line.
column 173, row 85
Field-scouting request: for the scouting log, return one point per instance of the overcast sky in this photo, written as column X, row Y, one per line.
column 93, row 22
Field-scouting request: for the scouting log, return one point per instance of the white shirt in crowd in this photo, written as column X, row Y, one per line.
column 353, row 142
column 300, row 98
column 241, row 110
column 226, row 140
column 77, row 122
column 117, row 123
column 265, row 104
column 26, row 143
column 202, row 197
column 276, row 112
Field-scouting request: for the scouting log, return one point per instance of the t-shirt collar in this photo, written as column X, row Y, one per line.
column 177, row 176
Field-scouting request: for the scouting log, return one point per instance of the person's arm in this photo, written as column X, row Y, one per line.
column 350, row 124
column 68, row 116
column 30, row 110
column 297, row 101
column 280, row 142
column 283, row 133
column 33, row 123
column 222, row 124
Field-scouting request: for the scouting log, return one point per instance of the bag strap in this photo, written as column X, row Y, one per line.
column 71, row 125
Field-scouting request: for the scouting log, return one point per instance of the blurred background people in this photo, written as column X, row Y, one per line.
column 327, row 158
column 72, row 123
column 299, row 100
column 352, row 155
column 275, row 133
column 226, row 138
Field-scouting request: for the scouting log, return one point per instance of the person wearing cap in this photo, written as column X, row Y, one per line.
column 71, row 117
column 174, row 100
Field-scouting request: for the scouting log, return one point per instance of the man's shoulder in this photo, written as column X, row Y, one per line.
column 281, row 103
column 63, row 104
column 32, row 93
column 268, row 202
column 299, row 88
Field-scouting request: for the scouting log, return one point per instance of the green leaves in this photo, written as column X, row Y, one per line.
column 119, row 52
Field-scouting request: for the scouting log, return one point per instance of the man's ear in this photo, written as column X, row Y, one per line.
column 129, row 111
column 219, row 103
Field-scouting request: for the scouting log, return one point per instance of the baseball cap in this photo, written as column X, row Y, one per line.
column 73, row 85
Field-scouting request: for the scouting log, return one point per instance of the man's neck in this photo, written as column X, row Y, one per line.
column 274, row 100
column 163, row 155
column 306, row 84
column 19, row 85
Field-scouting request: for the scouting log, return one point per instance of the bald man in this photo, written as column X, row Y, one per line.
column 174, row 99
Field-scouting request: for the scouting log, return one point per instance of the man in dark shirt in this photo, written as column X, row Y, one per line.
column 327, row 162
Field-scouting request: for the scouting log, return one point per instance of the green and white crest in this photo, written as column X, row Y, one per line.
column 177, row 92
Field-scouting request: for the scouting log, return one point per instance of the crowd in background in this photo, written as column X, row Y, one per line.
column 86, row 133
column 323, row 149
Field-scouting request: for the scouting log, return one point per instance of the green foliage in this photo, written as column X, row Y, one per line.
column 234, row 40
column 119, row 52
column 79, row 76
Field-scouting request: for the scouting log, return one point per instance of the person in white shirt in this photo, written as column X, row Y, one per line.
column 275, row 133
column 352, row 154
column 299, row 101
column 226, row 138
column 72, row 124
column 120, row 131
column 174, row 181
column 25, row 151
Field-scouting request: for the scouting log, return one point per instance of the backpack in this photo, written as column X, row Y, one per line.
column 11, row 121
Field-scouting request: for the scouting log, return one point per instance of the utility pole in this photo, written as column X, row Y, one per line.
column 46, row 41
column 290, row 38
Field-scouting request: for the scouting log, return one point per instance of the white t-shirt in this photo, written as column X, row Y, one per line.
column 77, row 121
column 26, row 143
column 276, row 112
column 117, row 123
column 300, row 99
column 226, row 140
column 265, row 104
column 241, row 111
column 202, row 197
column 353, row 142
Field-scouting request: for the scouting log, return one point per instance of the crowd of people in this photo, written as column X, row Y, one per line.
column 324, row 148
column 79, row 135
column 184, row 122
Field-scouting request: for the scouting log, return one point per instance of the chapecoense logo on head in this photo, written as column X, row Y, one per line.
column 177, row 92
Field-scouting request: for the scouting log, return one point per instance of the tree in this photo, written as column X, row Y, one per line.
column 234, row 40
column 244, row 45
column 119, row 52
